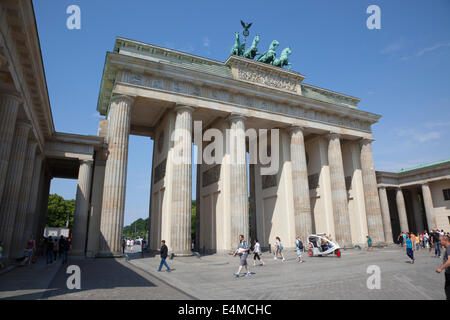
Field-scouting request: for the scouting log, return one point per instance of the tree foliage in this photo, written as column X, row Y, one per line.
column 59, row 210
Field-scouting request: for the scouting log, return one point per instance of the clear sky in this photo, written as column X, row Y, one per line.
column 401, row 71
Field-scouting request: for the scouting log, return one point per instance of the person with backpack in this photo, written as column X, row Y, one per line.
column 299, row 247
column 242, row 251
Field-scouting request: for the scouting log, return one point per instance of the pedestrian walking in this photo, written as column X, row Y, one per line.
column 369, row 243
column 299, row 247
column 30, row 249
column 124, row 244
column 163, row 252
column 257, row 253
column 445, row 242
column 410, row 248
column 278, row 249
column 242, row 251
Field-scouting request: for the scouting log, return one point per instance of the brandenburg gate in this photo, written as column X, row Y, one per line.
column 297, row 159
column 325, row 180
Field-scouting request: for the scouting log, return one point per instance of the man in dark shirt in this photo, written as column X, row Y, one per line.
column 163, row 251
column 49, row 247
column 437, row 244
column 445, row 242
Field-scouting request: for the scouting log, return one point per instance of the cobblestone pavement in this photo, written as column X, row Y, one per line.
column 211, row 277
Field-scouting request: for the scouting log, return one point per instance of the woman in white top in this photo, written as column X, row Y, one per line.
column 278, row 249
column 257, row 253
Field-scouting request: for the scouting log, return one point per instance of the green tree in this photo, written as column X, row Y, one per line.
column 59, row 210
column 141, row 228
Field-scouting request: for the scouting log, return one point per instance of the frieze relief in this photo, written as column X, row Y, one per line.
column 267, row 79
column 231, row 97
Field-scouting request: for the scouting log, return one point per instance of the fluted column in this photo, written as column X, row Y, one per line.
column 387, row 228
column 372, row 201
column 80, row 218
column 401, row 209
column 238, row 181
column 17, row 242
column 32, row 211
column 417, row 211
column 338, row 192
column 182, row 183
column 9, row 106
column 428, row 204
column 114, row 188
column 10, row 198
column 302, row 206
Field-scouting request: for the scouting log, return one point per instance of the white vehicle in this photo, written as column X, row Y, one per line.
column 318, row 245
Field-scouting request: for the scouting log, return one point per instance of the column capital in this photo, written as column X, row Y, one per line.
column 295, row 128
column 129, row 99
column 89, row 162
column 236, row 116
column 333, row 135
column 182, row 107
column 364, row 141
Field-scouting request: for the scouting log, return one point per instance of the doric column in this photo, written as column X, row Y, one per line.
column 182, row 182
column 9, row 106
column 17, row 242
column 113, row 203
column 238, row 180
column 338, row 192
column 372, row 201
column 401, row 209
column 417, row 210
column 387, row 228
column 80, row 218
column 428, row 204
column 302, row 206
column 10, row 199
column 32, row 204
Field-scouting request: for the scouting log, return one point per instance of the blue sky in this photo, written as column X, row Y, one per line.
column 400, row 71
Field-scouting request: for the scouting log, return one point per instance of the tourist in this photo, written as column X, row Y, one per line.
column 124, row 243
column 417, row 242
column 299, row 247
column 163, row 251
column 142, row 247
column 242, row 251
column 410, row 248
column 437, row 245
column 257, row 253
column 131, row 245
column 49, row 248
column 369, row 243
column 445, row 242
column 278, row 249
column 425, row 239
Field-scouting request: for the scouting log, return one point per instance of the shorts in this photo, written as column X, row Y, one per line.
column 243, row 261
